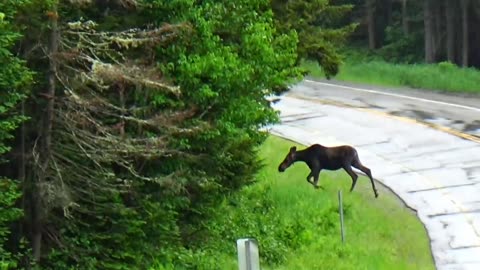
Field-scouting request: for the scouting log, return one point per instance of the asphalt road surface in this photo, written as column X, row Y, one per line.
column 424, row 146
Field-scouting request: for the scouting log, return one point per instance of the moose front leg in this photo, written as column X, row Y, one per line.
column 316, row 177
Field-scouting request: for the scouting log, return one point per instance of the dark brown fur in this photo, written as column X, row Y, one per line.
column 319, row 157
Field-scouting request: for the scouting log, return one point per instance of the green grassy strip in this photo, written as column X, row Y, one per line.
column 297, row 226
column 441, row 77
column 380, row 233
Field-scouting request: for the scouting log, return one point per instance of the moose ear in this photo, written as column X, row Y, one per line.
column 293, row 149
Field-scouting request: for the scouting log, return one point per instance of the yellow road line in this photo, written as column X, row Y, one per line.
column 401, row 118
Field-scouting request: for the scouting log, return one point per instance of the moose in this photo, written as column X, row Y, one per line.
column 319, row 157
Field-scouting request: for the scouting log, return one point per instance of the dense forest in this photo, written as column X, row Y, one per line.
column 123, row 123
column 419, row 31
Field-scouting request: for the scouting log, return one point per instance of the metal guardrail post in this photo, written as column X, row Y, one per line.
column 248, row 258
column 340, row 209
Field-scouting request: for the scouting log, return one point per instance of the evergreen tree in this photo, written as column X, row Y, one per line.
column 153, row 111
column 319, row 30
column 14, row 80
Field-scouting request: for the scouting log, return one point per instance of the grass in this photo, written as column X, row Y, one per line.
column 380, row 233
column 443, row 76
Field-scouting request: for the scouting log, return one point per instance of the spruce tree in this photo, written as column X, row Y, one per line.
column 317, row 24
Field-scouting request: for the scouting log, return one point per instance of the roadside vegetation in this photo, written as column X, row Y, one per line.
column 129, row 130
column 298, row 227
column 125, row 123
column 360, row 67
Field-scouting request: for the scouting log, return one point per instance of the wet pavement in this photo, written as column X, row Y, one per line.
column 425, row 148
column 459, row 112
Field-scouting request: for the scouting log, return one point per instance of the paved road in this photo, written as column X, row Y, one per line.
column 423, row 146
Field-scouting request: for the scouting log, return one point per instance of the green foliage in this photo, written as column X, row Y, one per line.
column 396, row 43
column 14, row 78
column 120, row 237
column 236, row 60
column 225, row 66
column 320, row 32
column 136, row 170
column 401, row 48
column 443, row 76
column 9, row 193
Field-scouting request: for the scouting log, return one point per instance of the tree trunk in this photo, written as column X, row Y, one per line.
column 450, row 16
column 429, row 31
column 370, row 6
column 46, row 134
column 388, row 11
column 438, row 35
column 465, row 30
column 405, row 25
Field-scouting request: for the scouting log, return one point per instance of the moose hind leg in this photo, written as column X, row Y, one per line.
column 368, row 172
column 310, row 175
column 352, row 174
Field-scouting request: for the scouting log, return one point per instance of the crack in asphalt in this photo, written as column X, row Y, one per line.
column 442, row 187
column 466, row 247
column 454, row 213
column 303, row 118
column 429, row 153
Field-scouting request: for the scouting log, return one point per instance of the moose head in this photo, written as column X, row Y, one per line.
column 289, row 159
